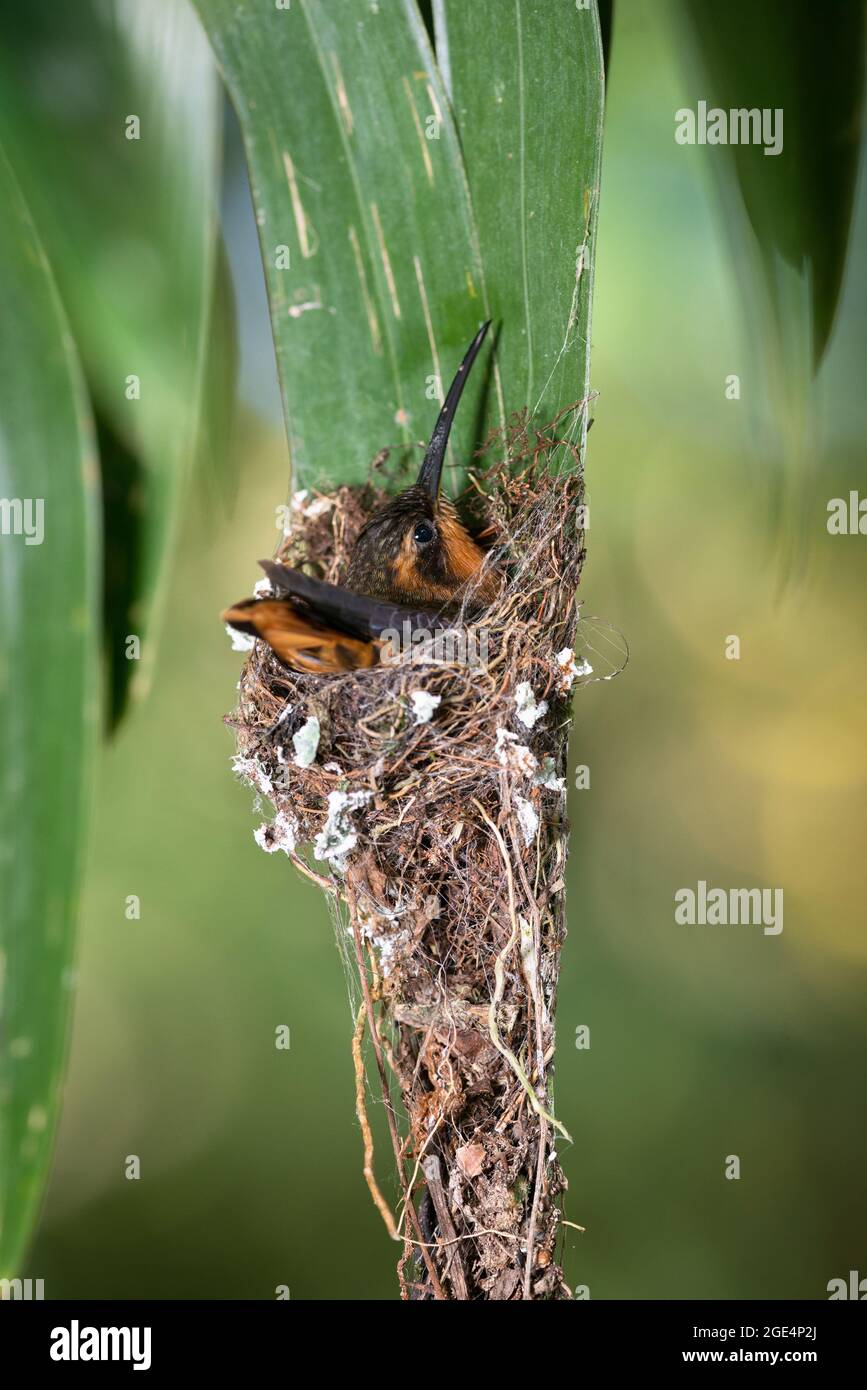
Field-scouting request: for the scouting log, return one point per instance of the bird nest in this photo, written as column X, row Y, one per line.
column 426, row 796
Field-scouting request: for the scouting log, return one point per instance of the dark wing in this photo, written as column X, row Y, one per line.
column 355, row 613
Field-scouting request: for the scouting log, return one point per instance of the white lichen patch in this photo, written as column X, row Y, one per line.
column 527, row 708
column 338, row 837
column 249, row 770
column 281, row 833
column 423, row 705
column 547, row 777
column 241, row 641
column 387, row 943
column 282, row 716
column 384, row 929
column 262, row 588
column 569, row 670
column 310, row 509
column 528, row 818
column 306, row 742
column 514, row 756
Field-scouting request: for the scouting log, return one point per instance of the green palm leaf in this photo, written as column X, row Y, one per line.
column 129, row 228
column 48, row 701
column 526, row 84
column 365, row 223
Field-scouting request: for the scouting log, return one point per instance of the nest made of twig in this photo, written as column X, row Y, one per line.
column 427, row 796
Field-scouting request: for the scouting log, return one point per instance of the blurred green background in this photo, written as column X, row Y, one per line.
column 705, row 1042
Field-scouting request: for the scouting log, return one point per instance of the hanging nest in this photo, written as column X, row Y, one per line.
column 427, row 797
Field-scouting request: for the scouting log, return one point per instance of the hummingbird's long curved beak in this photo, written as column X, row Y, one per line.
column 432, row 467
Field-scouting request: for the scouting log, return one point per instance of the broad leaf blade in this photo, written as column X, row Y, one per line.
column 805, row 62
column 526, row 84
column 787, row 214
column 356, row 169
column 129, row 227
column 48, row 702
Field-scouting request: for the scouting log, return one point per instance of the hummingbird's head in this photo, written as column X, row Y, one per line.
column 415, row 549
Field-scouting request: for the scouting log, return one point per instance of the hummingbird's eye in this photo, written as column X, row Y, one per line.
column 423, row 533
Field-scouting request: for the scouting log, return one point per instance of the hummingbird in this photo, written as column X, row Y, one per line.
column 413, row 561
